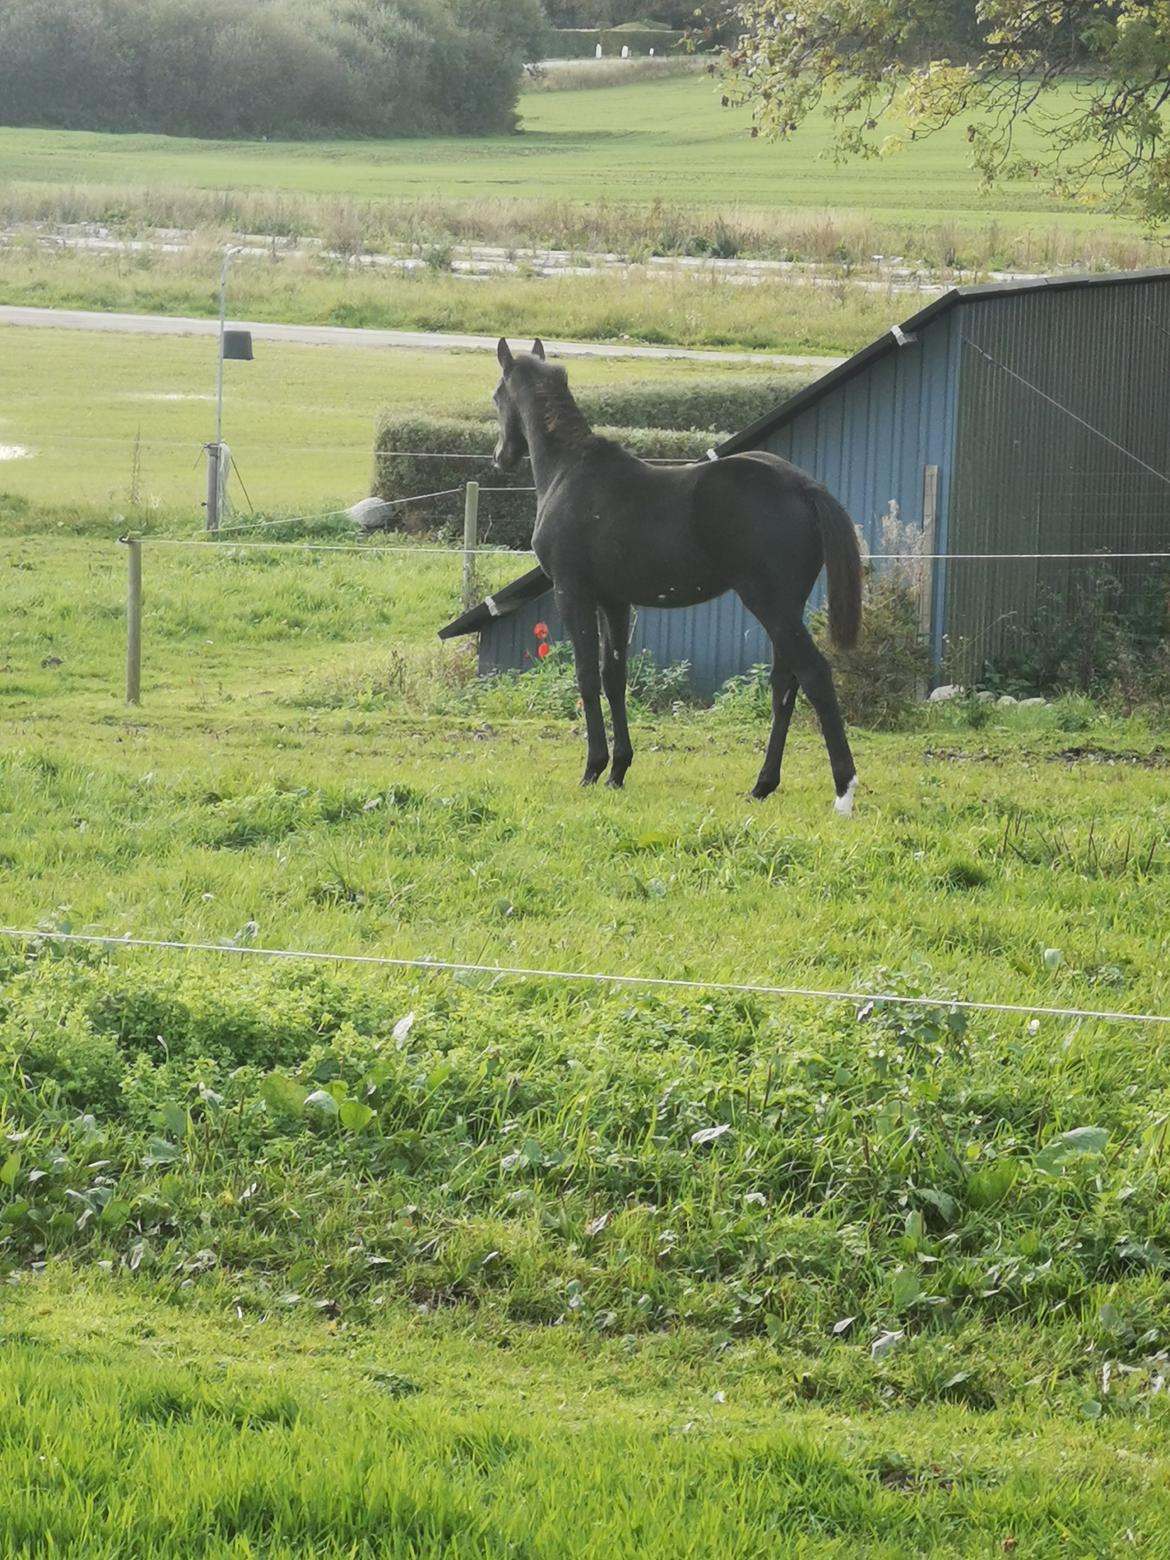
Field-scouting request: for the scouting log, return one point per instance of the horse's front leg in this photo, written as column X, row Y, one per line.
column 615, row 644
column 580, row 618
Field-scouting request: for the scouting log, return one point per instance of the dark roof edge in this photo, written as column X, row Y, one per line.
column 527, row 588
column 889, row 341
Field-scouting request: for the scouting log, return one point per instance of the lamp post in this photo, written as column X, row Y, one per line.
column 236, row 344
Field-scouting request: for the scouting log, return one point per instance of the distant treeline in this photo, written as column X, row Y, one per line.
column 266, row 67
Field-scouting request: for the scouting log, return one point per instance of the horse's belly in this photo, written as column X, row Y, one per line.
column 679, row 593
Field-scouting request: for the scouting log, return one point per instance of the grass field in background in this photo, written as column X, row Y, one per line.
column 299, row 419
column 667, row 141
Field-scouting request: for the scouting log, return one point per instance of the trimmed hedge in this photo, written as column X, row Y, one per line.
column 580, row 43
column 686, row 405
column 505, row 519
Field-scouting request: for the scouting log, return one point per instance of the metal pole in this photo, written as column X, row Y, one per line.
column 133, row 620
column 215, row 451
column 213, row 454
column 470, row 542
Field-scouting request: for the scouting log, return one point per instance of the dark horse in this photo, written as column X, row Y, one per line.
column 613, row 533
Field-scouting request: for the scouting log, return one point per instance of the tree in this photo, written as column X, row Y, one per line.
column 871, row 62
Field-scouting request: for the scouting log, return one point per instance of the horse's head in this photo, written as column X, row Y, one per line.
column 512, row 445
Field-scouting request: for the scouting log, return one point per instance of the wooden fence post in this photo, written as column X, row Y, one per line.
column 929, row 548
column 470, row 543
column 133, row 619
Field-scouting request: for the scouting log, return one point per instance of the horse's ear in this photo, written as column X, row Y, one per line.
column 504, row 353
column 538, row 349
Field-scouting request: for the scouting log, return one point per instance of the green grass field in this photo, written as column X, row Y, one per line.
column 300, row 419
column 666, row 141
column 321, row 1261
column 573, row 1270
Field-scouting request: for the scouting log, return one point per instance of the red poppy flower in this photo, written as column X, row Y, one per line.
column 543, row 650
column 541, row 631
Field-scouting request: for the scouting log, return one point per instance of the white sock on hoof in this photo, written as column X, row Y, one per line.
column 844, row 803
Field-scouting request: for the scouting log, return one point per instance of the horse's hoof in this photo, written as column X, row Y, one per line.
column 843, row 805
column 615, row 782
column 592, row 776
column 760, row 792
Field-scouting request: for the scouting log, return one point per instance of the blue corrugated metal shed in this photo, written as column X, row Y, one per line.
column 918, row 410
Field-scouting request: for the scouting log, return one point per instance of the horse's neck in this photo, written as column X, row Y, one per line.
column 556, row 432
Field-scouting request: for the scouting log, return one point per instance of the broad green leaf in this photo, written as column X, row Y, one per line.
column 9, row 1170
column 283, row 1096
column 992, row 1184
column 322, row 1100
column 1078, row 1142
column 355, row 1116
column 159, row 1152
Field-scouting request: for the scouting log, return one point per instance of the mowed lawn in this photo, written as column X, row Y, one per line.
column 653, row 141
column 117, row 422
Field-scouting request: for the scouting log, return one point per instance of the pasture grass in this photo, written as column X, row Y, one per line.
column 288, row 1436
column 345, row 1261
column 116, row 423
column 654, row 140
column 611, row 306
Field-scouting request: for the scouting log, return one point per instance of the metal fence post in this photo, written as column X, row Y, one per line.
column 470, row 542
column 214, row 452
column 133, row 619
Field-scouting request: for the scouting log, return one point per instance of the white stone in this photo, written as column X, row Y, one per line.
column 370, row 513
column 1031, row 703
column 985, row 696
column 946, row 691
column 1006, row 699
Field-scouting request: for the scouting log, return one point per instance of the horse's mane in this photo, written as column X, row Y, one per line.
column 554, row 401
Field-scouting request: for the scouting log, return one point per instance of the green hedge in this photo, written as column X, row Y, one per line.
column 505, row 518
column 580, row 43
column 723, row 401
column 719, row 402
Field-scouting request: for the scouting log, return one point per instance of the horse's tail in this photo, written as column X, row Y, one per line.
column 842, row 564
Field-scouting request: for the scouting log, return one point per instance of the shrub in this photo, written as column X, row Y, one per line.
column 1095, row 638
column 878, row 682
column 266, row 67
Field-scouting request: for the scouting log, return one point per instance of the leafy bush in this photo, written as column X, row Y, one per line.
column 266, row 67
column 1095, row 638
column 878, row 682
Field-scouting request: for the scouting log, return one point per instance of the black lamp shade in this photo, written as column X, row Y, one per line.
column 237, row 344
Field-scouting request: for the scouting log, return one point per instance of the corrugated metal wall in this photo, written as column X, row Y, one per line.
column 871, row 440
column 1064, row 407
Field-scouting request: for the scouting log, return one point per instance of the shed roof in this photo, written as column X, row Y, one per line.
column 505, row 600
column 896, row 337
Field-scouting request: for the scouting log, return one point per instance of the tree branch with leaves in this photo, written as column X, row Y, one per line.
column 889, row 70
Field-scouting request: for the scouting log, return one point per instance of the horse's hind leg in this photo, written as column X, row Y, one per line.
column 793, row 647
column 784, row 688
column 580, row 617
column 615, row 643
column 795, row 644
